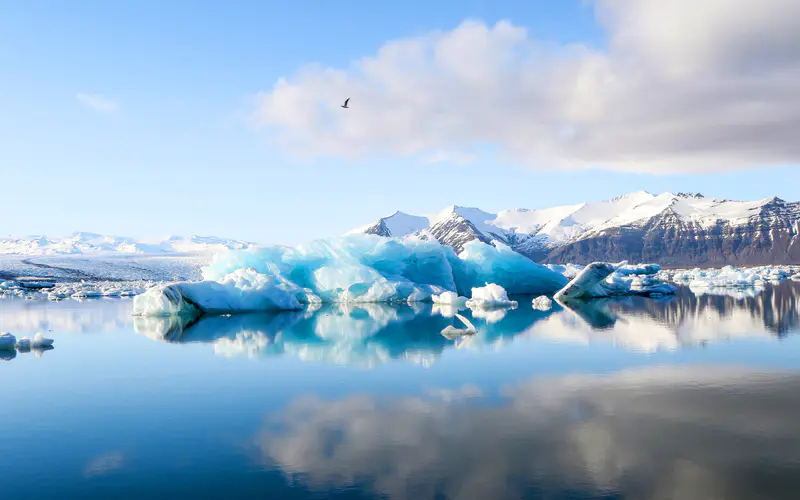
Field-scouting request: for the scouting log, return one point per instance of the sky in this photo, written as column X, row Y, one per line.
column 153, row 118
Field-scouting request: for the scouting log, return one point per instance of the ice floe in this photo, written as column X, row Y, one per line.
column 602, row 279
column 731, row 276
column 9, row 345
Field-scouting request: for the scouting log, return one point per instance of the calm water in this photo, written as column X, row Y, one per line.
column 697, row 397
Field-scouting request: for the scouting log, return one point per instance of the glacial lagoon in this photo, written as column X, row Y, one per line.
column 691, row 396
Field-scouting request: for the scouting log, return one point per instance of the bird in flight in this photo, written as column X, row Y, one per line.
column 345, row 103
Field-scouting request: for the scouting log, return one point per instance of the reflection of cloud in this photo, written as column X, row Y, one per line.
column 657, row 433
column 103, row 464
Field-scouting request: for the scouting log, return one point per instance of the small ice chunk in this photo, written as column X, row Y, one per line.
column 542, row 303
column 491, row 295
column 37, row 342
column 7, row 342
column 451, row 332
column 449, row 298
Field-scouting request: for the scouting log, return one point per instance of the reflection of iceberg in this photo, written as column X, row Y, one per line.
column 344, row 334
column 595, row 313
column 737, row 293
column 646, row 325
column 353, row 269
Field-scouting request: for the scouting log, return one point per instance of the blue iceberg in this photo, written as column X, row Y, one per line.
column 357, row 268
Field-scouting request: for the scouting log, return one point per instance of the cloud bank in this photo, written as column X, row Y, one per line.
column 682, row 87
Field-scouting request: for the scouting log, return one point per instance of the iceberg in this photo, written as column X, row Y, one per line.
column 37, row 342
column 490, row 296
column 449, row 299
column 602, row 279
column 450, row 332
column 357, row 268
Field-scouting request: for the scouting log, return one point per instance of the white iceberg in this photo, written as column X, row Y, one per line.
column 8, row 342
column 357, row 268
column 490, row 296
column 542, row 303
column 449, row 299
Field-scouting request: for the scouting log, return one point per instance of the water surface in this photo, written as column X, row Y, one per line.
column 695, row 396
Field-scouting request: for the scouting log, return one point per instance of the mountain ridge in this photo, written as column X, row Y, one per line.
column 672, row 229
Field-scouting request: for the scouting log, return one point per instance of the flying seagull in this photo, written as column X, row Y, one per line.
column 345, row 103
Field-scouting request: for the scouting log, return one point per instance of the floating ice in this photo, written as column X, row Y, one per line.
column 37, row 342
column 490, row 296
column 450, row 332
column 449, row 299
column 601, row 279
column 358, row 268
column 8, row 342
column 627, row 269
column 542, row 303
column 585, row 284
column 733, row 277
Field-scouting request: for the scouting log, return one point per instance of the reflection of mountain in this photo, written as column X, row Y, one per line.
column 774, row 309
column 686, row 319
column 683, row 433
column 364, row 335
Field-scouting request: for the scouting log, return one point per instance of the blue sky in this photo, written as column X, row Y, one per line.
column 173, row 148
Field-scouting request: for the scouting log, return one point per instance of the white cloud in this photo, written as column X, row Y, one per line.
column 452, row 157
column 97, row 102
column 684, row 87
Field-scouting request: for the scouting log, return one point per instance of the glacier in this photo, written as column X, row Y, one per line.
column 357, row 268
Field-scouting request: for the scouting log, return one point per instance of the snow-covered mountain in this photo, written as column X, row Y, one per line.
column 672, row 229
column 94, row 244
